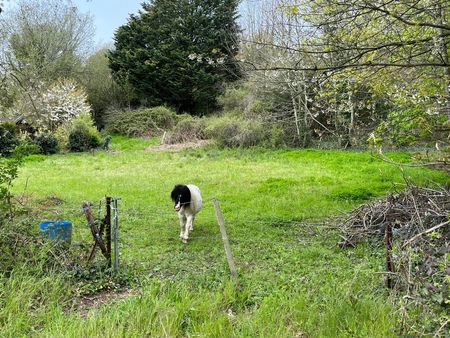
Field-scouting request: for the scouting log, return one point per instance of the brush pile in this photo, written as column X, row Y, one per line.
column 410, row 213
column 420, row 221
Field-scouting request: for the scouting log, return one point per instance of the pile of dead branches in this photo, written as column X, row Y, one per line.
column 418, row 221
column 416, row 211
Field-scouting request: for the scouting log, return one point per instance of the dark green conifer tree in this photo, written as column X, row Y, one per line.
column 178, row 52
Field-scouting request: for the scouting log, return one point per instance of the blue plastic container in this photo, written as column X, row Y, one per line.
column 60, row 231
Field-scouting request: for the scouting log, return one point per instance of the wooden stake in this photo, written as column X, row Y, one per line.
column 96, row 233
column 226, row 243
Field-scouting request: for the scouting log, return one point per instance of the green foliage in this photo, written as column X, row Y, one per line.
column 235, row 99
column 230, row 131
column 178, row 52
column 103, row 92
column 8, row 173
column 83, row 135
column 20, row 246
column 188, row 129
column 48, row 143
column 289, row 273
column 27, row 147
column 82, row 139
column 145, row 122
column 9, row 138
column 410, row 127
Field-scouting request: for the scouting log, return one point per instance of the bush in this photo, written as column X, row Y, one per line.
column 27, row 147
column 9, row 138
column 235, row 99
column 235, row 132
column 410, row 127
column 8, row 173
column 81, row 139
column 145, row 122
column 187, row 129
column 83, row 136
column 48, row 143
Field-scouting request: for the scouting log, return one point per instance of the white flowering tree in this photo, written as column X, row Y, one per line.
column 62, row 102
column 55, row 105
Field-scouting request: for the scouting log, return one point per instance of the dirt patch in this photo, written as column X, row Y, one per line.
column 87, row 303
column 179, row 146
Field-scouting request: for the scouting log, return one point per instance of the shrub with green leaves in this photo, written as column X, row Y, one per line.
column 81, row 139
column 234, row 132
column 235, row 99
column 9, row 138
column 27, row 147
column 48, row 143
column 144, row 122
column 410, row 127
column 83, row 136
column 187, row 129
column 8, row 173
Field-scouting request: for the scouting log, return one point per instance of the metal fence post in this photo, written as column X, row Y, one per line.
column 116, row 233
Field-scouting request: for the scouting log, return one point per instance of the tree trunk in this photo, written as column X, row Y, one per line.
column 351, row 108
column 443, row 50
column 295, row 113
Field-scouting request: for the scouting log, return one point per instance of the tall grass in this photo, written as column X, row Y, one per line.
column 294, row 281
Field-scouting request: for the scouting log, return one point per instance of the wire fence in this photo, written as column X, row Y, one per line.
column 148, row 242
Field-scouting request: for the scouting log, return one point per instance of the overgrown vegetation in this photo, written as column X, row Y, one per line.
column 417, row 221
column 8, row 138
column 294, row 279
column 145, row 122
column 312, row 74
column 48, row 143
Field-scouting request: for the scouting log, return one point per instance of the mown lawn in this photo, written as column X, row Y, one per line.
column 294, row 280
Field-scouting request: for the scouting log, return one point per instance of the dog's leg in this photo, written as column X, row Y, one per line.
column 182, row 225
column 188, row 226
column 191, row 224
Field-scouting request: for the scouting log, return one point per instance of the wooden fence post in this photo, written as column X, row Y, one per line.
column 389, row 261
column 96, row 233
column 226, row 243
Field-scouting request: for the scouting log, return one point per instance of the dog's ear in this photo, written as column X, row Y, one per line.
column 173, row 194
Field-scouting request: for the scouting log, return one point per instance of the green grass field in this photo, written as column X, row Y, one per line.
column 294, row 280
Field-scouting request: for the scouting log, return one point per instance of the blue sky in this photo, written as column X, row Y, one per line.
column 108, row 15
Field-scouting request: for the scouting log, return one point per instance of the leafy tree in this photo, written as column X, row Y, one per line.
column 393, row 40
column 362, row 60
column 178, row 52
column 59, row 103
column 102, row 91
column 9, row 138
column 40, row 42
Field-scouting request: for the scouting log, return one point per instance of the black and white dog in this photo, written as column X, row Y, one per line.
column 188, row 202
